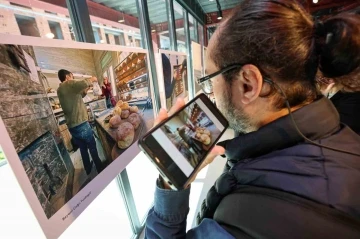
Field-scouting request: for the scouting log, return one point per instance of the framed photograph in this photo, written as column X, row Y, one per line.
column 62, row 157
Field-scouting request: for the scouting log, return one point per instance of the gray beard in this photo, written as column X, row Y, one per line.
column 239, row 121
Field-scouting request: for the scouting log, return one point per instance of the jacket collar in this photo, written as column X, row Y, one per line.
column 316, row 120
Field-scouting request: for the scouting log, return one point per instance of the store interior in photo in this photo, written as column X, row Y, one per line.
column 192, row 132
column 123, row 78
column 133, row 114
column 175, row 76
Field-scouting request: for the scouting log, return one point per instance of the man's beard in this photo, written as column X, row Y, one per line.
column 238, row 119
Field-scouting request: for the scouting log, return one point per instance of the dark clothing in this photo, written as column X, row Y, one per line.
column 83, row 136
column 71, row 93
column 106, row 91
column 277, row 157
column 348, row 106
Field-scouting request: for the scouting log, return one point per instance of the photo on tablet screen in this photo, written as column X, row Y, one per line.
column 189, row 135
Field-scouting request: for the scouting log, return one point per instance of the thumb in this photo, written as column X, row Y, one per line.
column 162, row 116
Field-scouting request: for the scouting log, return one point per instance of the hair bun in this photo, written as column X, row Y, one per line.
column 340, row 52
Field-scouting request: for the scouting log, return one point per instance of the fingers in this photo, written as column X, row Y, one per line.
column 178, row 105
column 163, row 115
column 216, row 151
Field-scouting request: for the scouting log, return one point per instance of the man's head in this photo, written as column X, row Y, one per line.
column 65, row 75
column 272, row 39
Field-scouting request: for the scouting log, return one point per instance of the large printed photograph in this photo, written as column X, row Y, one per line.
column 70, row 113
column 175, row 76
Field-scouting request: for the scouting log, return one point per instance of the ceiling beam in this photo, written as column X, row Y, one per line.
column 194, row 8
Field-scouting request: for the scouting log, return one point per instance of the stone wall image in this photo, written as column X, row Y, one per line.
column 47, row 173
column 27, row 115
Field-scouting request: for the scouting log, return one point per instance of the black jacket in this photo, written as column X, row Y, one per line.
column 276, row 157
column 348, row 106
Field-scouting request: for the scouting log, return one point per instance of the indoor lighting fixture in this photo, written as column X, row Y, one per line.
column 121, row 20
column 50, row 35
column 315, row 1
column 219, row 13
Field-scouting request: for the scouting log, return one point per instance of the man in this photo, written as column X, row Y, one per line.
column 70, row 93
column 287, row 176
column 182, row 133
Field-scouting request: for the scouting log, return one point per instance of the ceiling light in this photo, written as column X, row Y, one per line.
column 219, row 15
column 315, row 1
column 122, row 19
column 50, row 35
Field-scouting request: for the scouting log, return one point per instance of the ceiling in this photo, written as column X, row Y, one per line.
column 158, row 14
column 157, row 8
column 210, row 6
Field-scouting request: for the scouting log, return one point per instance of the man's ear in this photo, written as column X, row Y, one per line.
column 250, row 83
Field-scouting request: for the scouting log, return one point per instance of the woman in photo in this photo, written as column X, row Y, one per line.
column 106, row 91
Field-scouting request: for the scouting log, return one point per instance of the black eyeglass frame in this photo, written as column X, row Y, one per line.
column 223, row 70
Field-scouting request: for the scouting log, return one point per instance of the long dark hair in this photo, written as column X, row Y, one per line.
column 281, row 39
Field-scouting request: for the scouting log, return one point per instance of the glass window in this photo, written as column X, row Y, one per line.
column 142, row 176
column 27, row 26
column 200, row 34
column 116, row 22
column 36, row 19
column 192, row 28
column 180, row 30
column 55, row 29
column 159, row 24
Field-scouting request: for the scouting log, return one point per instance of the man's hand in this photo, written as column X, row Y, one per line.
column 216, row 151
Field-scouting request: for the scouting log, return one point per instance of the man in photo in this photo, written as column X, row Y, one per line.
column 70, row 93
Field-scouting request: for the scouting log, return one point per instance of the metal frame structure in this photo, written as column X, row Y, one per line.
column 191, row 84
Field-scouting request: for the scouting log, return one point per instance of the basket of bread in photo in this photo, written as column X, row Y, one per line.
column 203, row 135
column 125, row 121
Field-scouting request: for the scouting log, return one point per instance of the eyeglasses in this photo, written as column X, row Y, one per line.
column 206, row 84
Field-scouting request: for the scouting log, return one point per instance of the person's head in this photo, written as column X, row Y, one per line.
column 178, row 129
column 65, row 75
column 106, row 80
column 271, row 39
column 340, row 53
